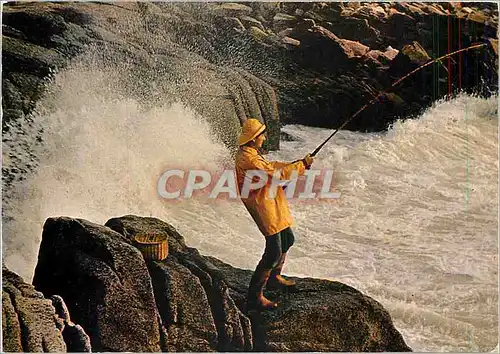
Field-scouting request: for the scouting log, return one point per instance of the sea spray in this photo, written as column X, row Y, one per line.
column 101, row 156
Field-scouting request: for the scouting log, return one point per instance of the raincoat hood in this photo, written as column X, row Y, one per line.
column 250, row 130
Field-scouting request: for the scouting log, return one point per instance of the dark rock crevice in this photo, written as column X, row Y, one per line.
column 232, row 327
column 30, row 322
column 116, row 311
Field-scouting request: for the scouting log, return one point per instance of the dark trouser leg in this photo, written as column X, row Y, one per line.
column 287, row 240
column 270, row 259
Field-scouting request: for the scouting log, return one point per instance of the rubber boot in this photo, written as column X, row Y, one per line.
column 276, row 278
column 256, row 299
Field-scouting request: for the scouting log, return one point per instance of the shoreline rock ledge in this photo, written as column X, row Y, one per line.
column 191, row 302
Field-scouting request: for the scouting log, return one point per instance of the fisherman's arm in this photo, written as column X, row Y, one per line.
column 278, row 164
column 260, row 163
column 307, row 160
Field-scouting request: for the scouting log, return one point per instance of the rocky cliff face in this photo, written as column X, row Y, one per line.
column 135, row 37
column 326, row 60
column 32, row 323
column 187, row 302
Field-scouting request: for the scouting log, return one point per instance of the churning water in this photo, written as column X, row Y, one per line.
column 415, row 228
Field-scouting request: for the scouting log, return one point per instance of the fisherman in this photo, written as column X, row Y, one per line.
column 271, row 215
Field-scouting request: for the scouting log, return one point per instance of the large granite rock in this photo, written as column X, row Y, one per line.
column 145, row 47
column 32, row 323
column 200, row 301
column 104, row 282
column 183, row 273
column 317, row 315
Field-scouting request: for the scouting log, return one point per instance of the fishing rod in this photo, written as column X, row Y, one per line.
column 381, row 93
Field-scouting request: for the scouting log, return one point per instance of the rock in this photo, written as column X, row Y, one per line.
column 467, row 10
column 173, row 283
column 412, row 9
column 250, row 21
column 223, row 288
column 189, row 323
column 231, row 9
column 257, row 33
column 76, row 339
column 349, row 320
column 353, row 49
column 353, row 5
column 11, row 329
column 311, row 15
column 306, row 24
column 253, row 98
column 29, row 321
column 282, row 21
column 119, row 313
column 60, row 307
column 290, row 41
column 286, row 32
column 281, row 17
column 378, row 57
column 30, row 58
column 415, row 53
column 201, row 300
column 478, row 16
column 320, row 47
column 235, row 23
column 391, row 53
column 494, row 45
column 356, row 29
column 435, row 10
column 371, row 11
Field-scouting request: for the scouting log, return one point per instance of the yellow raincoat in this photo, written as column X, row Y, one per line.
column 271, row 215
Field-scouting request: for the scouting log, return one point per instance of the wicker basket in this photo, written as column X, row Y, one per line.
column 153, row 246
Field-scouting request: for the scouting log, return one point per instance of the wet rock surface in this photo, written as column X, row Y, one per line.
column 33, row 323
column 104, row 282
column 186, row 302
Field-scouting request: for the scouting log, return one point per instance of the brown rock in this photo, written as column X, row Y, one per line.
column 375, row 11
column 184, row 307
column 235, row 23
column 230, row 9
column 349, row 320
column 286, row 32
column 290, row 41
column 257, row 33
column 382, row 58
column 11, row 329
column 353, row 49
column 29, row 321
column 118, row 312
column 174, row 286
column 415, row 53
column 494, row 45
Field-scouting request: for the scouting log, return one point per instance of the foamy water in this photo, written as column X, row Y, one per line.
column 415, row 227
